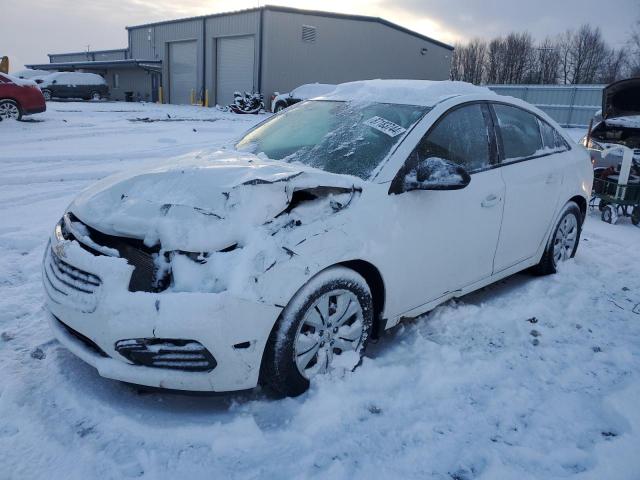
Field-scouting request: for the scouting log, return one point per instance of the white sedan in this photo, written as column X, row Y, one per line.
column 277, row 260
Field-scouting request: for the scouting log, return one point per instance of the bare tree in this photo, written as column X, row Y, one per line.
column 467, row 63
column 510, row 59
column 614, row 66
column 546, row 62
column 634, row 51
column 582, row 54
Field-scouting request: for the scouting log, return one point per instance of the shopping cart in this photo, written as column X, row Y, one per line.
column 616, row 192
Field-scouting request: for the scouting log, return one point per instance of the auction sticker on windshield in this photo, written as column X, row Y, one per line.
column 385, row 126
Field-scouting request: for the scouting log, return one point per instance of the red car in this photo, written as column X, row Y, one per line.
column 19, row 97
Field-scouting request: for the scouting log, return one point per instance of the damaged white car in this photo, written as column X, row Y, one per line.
column 278, row 259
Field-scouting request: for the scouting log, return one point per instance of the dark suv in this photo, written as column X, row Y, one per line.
column 88, row 86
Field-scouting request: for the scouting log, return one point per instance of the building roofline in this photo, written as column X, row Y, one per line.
column 89, row 52
column 92, row 64
column 320, row 13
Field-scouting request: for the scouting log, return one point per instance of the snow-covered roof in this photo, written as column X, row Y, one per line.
column 405, row 92
column 19, row 81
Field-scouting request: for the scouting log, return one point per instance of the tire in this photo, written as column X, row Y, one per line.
column 279, row 107
column 635, row 215
column 564, row 240
column 10, row 109
column 607, row 214
column 602, row 205
column 334, row 309
column 95, row 96
column 47, row 94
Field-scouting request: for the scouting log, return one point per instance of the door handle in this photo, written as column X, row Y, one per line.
column 490, row 201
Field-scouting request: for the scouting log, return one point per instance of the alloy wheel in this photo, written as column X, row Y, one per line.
column 565, row 239
column 333, row 325
column 9, row 110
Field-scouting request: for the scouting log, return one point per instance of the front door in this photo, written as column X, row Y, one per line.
column 443, row 240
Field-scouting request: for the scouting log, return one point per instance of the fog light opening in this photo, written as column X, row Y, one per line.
column 174, row 354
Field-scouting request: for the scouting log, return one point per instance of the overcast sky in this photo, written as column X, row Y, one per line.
column 32, row 28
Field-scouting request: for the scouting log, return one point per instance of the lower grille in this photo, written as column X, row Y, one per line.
column 68, row 285
column 174, row 354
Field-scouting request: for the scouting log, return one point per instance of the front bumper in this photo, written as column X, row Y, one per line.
column 88, row 293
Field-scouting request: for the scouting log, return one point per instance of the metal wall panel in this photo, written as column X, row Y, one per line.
column 235, row 67
column 69, row 57
column 569, row 105
column 344, row 50
column 134, row 80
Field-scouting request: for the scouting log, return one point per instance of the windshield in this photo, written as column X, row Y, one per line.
column 338, row 137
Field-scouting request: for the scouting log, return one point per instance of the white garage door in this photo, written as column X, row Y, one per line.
column 182, row 71
column 235, row 67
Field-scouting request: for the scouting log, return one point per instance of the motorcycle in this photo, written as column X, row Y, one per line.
column 247, row 103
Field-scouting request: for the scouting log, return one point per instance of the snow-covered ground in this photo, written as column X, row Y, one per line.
column 529, row 378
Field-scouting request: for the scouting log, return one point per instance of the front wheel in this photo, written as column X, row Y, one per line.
column 47, row 94
column 564, row 240
column 325, row 326
column 279, row 107
column 96, row 96
column 9, row 109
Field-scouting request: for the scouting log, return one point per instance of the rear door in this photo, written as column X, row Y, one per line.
column 533, row 176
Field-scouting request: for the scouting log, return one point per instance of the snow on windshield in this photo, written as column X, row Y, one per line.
column 339, row 137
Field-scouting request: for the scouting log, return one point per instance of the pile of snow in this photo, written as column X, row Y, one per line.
column 312, row 90
column 405, row 92
column 630, row 121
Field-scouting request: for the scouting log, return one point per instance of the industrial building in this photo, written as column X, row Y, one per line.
column 267, row 49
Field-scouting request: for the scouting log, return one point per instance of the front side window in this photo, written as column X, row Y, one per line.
column 461, row 136
column 350, row 138
column 521, row 137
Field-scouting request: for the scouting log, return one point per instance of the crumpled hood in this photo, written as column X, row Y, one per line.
column 198, row 203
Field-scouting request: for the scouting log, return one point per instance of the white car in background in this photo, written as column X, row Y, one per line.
column 329, row 223
column 33, row 75
column 280, row 101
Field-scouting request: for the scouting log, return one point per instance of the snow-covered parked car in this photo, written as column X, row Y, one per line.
column 617, row 124
column 278, row 260
column 87, row 86
column 33, row 75
column 280, row 101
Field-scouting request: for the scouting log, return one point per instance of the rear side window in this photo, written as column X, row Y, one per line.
column 551, row 138
column 461, row 136
column 520, row 132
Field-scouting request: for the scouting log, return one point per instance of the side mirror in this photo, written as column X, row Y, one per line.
column 54, row 82
column 432, row 173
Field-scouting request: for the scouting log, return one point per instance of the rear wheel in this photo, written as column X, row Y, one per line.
column 96, row 96
column 9, row 109
column 47, row 94
column 608, row 214
column 325, row 326
column 279, row 107
column 564, row 240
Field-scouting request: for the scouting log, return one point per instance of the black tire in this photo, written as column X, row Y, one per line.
column 46, row 93
column 10, row 109
column 279, row 374
column 548, row 265
column 279, row 107
column 602, row 205
column 635, row 215
column 95, row 96
column 607, row 214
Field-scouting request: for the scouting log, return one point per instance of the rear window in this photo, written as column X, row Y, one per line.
column 521, row 137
